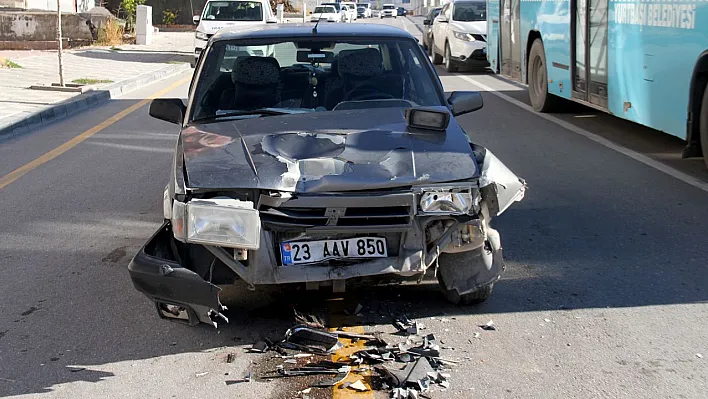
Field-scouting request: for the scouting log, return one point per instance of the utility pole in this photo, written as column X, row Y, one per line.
column 61, row 64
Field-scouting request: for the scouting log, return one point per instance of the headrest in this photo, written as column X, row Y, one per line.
column 366, row 62
column 250, row 70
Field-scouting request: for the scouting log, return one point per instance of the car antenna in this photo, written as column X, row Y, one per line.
column 314, row 28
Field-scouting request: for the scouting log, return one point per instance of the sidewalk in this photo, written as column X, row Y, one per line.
column 123, row 68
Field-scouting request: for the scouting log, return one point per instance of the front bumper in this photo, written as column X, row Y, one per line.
column 469, row 53
column 179, row 293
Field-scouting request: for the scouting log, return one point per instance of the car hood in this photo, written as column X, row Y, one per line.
column 210, row 27
column 324, row 152
column 479, row 27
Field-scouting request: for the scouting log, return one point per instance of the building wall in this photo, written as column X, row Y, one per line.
column 41, row 26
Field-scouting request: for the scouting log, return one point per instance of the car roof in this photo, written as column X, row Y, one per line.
column 270, row 31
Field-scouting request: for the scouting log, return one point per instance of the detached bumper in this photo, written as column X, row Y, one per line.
column 179, row 294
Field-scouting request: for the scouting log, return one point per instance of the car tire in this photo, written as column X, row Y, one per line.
column 472, row 298
column 193, row 63
column 437, row 58
column 703, row 126
column 447, row 59
column 541, row 99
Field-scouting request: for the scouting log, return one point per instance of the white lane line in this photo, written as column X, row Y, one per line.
column 597, row 139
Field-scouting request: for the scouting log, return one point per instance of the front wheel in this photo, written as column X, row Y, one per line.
column 541, row 99
column 703, row 126
column 437, row 58
column 449, row 63
column 472, row 298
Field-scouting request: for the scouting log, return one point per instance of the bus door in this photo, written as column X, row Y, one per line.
column 589, row 50
column 510, row 31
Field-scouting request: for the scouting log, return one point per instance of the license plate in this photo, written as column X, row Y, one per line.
column 294, row 253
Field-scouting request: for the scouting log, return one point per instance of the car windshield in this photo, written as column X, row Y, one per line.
column 336, row 6
column 324, row 10
column 389, row 7
column 313, row 76
column 360, row 8
column 470, row 11
column 233, row 11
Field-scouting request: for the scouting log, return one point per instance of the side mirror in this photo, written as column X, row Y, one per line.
column 195, row 19
column 463, row 102
column 168, row 109
column 441, row 19
column 426, row 22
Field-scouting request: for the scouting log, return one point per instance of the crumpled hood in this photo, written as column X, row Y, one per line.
column 479, row 27
column 324, row 152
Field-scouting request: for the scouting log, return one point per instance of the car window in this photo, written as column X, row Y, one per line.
column 233, row 11
column 310, row 76
column 470, row 11
column 336, row 6
column 324, row 10
column 389, row 7
column 434, row 13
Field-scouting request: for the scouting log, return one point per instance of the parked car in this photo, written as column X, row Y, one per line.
column 428, row 28
column 351, row 8
column 360, row 11
column 343, row 15
column 221, row 13
column 388, row 10
column 460, row 35
column 361, row 175
column 368, row 12
column 325, row 13
column 402, row 12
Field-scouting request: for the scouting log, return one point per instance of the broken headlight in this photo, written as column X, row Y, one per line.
column 449, row 201
column 224, row 222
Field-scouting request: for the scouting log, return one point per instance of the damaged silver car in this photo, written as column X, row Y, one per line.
column 334, row 161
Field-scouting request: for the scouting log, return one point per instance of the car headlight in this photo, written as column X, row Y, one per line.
column 200, row 35
column 463, row 36
column 449, row 201
column 224, row 222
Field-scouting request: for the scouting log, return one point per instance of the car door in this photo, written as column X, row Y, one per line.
column 440, row 28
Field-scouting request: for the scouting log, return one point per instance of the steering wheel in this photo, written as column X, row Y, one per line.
column 367, row 91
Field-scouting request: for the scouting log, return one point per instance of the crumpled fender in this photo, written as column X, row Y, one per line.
column 500, row 187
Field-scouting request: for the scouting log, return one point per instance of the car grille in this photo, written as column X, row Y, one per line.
column 344, row 213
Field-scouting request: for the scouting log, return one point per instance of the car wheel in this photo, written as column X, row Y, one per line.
column 193, row 62
column 472, row 298
column 541, row 100
column 703, row 126
column 449, row 63
column 437, row 58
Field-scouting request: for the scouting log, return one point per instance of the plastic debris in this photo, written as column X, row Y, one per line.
column 202, row 374
column 698, row 355
column 312, row 340
column 230, row 358
column 259, row 347
column 489, row 326
column 358, row 386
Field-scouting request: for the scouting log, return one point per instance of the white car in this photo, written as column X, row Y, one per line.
column 343, row 15
column 460, row 35
column 388, row 10
column 325, row 13
column 351, row 9
column 222, row 13
column 367, row 12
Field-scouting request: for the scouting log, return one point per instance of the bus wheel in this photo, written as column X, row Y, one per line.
column 541, row 100
column 703, row 125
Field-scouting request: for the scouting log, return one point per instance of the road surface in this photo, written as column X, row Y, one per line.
column 605, row 293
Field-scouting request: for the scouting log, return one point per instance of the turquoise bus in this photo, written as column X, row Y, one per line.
column 641, row 60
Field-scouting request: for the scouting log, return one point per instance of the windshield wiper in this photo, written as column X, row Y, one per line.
column 261, row 111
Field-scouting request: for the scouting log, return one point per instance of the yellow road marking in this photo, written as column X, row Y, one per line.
column 342, row 355
column 48, row 156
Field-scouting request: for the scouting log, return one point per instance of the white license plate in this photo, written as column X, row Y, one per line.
column 293, row 253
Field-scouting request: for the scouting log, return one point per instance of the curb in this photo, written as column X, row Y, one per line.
column 82, row 102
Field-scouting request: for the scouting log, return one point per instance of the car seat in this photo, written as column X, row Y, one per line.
column 256, row 84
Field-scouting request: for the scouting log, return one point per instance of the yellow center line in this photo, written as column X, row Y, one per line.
column 48, row 156
column 343, row 355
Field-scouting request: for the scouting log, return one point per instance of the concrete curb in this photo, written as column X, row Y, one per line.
column 55, row 112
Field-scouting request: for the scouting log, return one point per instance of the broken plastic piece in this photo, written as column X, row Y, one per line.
column 489, row 326
column 230, row 358
column 358, row 386
column 308, row 338
column 259, row 347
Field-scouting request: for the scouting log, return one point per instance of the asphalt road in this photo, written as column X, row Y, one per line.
column 605, row 293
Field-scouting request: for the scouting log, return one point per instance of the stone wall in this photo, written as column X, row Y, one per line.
column 23, row 29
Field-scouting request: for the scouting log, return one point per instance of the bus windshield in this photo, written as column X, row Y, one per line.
column 470, row 11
